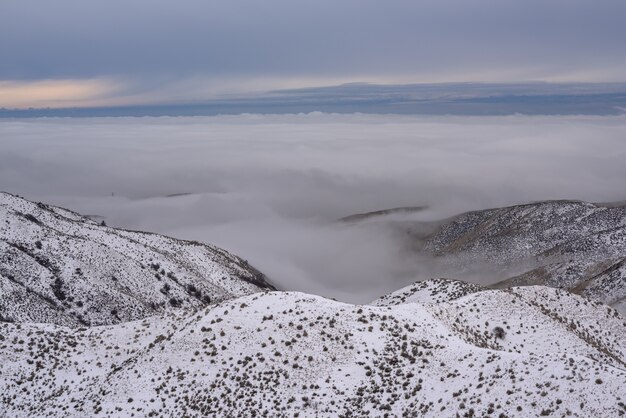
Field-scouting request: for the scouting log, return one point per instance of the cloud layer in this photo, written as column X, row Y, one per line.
column 270, row 187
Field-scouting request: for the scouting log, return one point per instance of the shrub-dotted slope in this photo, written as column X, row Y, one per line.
column 520, row 352
column 59, row 267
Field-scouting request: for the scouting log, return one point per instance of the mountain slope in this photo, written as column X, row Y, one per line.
column 565, row 244
column 520, row 352
column 572, row 245
column 429, row 291
column 59, row 267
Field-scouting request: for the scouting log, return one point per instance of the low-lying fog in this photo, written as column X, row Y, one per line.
column 269, row 188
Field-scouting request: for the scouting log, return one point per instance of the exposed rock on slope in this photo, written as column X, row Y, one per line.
column 59, row 267
column 521, row 352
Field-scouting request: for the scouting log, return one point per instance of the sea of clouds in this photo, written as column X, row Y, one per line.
column 270, row 188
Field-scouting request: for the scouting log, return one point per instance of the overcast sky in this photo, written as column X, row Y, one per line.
column 76, row 52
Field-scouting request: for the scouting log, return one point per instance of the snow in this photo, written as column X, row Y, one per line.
column 435, row 348
column 282, row 353
column 571, row 245
column 59, row 267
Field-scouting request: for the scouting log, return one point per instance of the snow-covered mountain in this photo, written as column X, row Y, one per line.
column 564, row 244
column 59, row 267
column 525, row 351
column 98, row 321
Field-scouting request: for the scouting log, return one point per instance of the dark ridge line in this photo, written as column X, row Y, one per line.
column 365, row 215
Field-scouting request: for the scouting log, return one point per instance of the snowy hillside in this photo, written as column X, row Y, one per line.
column 59, row 267
column 429, row 291
column 565, row 244
column 573, row 245
column 520, row 352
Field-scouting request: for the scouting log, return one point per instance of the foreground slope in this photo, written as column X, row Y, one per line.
column 59, row 267
column 519, row 352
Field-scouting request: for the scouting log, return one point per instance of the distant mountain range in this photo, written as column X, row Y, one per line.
column 98, row 321
column 408, row 99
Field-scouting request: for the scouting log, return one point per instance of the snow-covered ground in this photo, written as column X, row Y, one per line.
column 571, row 245
column 521, row 352
column 98, row 321
column 429, row 291
column 59, row 267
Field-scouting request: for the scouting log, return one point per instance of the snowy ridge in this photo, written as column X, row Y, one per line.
column 428, row 291
column 520, row 352
column 59, row 267
column 565, row 244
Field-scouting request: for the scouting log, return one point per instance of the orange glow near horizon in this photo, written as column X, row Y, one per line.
column 95, row 92
column 54, row 93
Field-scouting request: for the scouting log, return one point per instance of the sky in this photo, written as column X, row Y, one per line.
column 94, row 53
column 270, row 188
